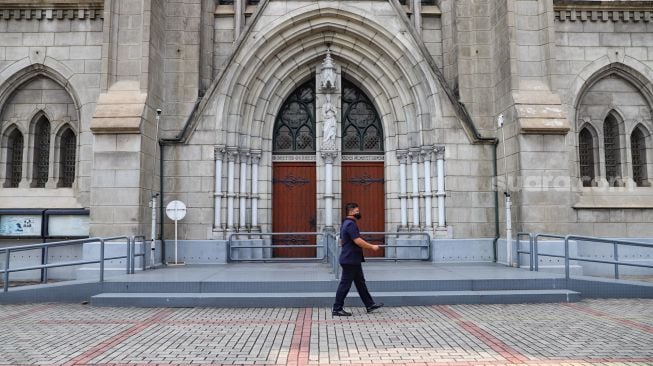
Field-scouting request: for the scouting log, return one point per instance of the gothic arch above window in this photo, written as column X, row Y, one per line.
column 362, row 132
column 14, row 162
column 612, row 150
column 294, row 127
column 41, row 152
column 638, row 153
column 67, row 152
column 586, row 157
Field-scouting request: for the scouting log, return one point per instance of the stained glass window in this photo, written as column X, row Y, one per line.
column 638, row 150
column 586, row 154
column 68, row 148
column 15, row 159
column 41, row 152
column 361, row 126
column 612, row 153
column 294, row 128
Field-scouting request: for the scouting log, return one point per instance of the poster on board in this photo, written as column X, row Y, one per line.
column 20, row 225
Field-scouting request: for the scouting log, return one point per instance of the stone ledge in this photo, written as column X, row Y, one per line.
column 119, row 111
column 637, row 199
column 540, row 112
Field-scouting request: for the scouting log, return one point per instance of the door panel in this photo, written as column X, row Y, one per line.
column 363, row 183
column 293, row 207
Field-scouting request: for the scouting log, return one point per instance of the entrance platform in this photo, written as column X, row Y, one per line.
column 313, row 284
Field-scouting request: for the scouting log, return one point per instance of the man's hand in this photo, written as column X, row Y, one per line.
column 375, row 248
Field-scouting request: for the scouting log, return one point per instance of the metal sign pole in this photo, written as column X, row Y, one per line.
column 176, row 210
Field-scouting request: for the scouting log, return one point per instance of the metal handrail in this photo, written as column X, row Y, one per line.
column 530, row 251
column 568, row 258
column 45, row 265
column 316, row 246
column 401, row 233
column 536, row 248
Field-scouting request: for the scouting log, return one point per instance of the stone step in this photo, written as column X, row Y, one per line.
column 325, row 299
column 331, row 286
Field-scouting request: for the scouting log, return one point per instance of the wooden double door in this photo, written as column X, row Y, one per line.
column 294, row 199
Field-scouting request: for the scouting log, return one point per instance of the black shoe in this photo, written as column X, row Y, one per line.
column 340, row 312
column 374, row 307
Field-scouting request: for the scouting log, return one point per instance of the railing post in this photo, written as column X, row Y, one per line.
column 616, row 259
column 101, row 260
column 536, row 255
column 6, row 274
column 127, row 257
column 567, row 258
column 44, row 260
column 530, row 248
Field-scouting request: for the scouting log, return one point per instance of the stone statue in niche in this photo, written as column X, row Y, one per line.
column 329, row 128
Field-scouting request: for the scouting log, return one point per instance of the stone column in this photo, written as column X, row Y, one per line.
column 417, row 15
column 256, row 157
column 239, row 15
column 427, row 151
column 413, row 155
column 329, row 157
column 402, row 156
column 242, row 192
column 439, row 156
column 219, row 152
column 232, row 155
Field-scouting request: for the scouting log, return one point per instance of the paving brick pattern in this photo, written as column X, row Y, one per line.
column 592, row 332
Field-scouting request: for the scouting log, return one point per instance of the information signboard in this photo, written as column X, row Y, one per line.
column 20, row 225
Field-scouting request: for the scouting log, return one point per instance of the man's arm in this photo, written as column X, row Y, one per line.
column 363, row 244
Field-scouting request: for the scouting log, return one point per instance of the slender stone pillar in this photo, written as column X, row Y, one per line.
column 413, row 155
column 439, row 156
column 232, row 154
column 427, row 151
column 242, row 192
column 256, row 157
column 417, row 15
column 239, row 15
column 219, row 152
column 329, row 158
column 402, row 156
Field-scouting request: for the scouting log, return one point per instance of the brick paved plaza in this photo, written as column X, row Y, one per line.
column 601, row 332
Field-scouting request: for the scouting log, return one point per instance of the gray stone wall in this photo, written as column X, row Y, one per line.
column 51, row 62
column 603, row 61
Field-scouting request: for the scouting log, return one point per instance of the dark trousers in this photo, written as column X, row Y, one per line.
column 352, row 273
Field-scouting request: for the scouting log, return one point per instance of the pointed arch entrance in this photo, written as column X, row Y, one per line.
column 363, row 164
column 294, row 185
column 294, row 200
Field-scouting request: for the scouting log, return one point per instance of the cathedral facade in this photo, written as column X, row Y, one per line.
column 268, row 116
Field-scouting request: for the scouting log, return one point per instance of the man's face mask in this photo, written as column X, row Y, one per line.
column 358, row 215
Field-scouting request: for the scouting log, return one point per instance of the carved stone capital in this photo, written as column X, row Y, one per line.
column 402, row 156
column 329, row 156
column 219, row 152
column 256, row 156
column 232, row 154
column 413, row 154
column 426, row 152
column 244, row 155
column 439, row 152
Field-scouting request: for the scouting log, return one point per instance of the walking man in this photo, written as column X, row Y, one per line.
column 351, row 258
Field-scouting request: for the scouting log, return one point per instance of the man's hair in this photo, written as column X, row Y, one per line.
column 350, row 206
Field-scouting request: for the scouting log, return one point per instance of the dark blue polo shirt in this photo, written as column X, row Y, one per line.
column 350, row 252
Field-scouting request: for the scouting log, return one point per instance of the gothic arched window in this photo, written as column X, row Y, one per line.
column 41, row 152
column 612, row 150
column 586, row 155
column 14, row 159
column 67, row 148
column 638, row 150
column 361, row 126
column 294, row 128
